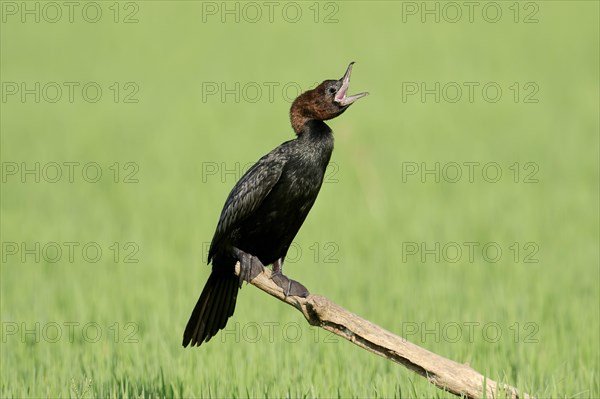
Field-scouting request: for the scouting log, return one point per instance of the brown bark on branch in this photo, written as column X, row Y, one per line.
column 456, row 378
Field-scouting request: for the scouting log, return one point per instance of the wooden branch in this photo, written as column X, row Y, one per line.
column 456, row 378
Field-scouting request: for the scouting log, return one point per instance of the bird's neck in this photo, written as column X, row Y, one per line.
column 314, row 129
column 300, row 112
column 317, row 140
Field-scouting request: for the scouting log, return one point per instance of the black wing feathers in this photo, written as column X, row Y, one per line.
column 247, row 195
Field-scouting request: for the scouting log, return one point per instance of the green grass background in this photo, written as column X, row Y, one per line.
column 367, row 213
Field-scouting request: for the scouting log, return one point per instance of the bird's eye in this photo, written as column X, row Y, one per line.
column 331, row 90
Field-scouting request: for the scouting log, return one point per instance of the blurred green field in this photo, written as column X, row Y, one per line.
column 110, row 324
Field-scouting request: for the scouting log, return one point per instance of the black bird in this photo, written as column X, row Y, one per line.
column 266, row 208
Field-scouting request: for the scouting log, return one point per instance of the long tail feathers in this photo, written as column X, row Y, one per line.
column 215, row 305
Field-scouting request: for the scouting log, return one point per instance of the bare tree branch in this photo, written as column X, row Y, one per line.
column 456, row 378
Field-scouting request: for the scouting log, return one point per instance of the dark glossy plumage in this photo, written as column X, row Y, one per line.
column 267, row 206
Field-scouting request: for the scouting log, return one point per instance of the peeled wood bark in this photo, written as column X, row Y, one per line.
column 456, row 378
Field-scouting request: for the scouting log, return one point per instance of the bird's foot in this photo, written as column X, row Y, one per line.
column 250, row 265
column 290, row 287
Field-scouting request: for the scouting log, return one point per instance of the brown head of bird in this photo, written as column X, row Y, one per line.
column 324, row 102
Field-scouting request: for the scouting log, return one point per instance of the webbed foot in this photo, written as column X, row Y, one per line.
column 250, row 265
column 290, row 287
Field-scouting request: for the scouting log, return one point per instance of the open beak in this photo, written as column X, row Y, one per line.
column 340, row 96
